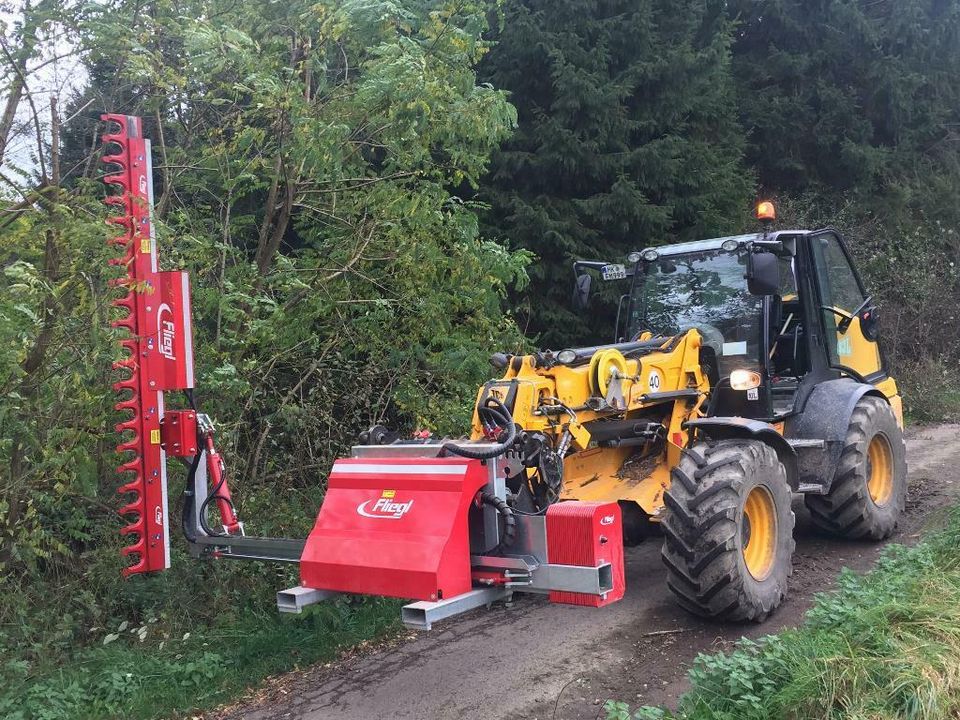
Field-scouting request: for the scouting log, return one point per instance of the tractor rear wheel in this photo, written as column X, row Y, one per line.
column 728, row 530
column 869, row 488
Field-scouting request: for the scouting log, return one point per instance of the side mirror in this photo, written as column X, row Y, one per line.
column 870, row 323
column 763, row 273
column 581, row 292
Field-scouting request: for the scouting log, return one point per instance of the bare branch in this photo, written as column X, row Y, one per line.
column 164, row 202
column 19, row 86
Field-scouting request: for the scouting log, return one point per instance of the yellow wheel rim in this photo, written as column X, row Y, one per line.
column 880, row 470
column 758, row 529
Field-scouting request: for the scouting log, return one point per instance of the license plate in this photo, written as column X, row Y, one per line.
column 613, row 272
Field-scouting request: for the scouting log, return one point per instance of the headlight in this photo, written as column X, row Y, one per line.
column 744, row 379
column 650, row 255
column 730, row 245
column 565, row 357
column 633, row 258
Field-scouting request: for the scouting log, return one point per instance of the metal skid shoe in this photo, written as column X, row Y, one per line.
column 398, row 520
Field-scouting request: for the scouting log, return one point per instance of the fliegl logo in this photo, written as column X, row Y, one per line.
column 385, row 507
column 166, row 331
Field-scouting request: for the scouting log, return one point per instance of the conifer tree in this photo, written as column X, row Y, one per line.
column 849, row 95
column 627, row 138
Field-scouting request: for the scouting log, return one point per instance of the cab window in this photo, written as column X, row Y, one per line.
column 838, row 285
column 788, row 281
column 840, row 290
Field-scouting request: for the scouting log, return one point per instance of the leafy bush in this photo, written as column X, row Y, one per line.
column 310, row 163
column 135, row 674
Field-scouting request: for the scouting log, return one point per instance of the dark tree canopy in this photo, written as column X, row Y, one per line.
column 627, row 137
column 847, row 94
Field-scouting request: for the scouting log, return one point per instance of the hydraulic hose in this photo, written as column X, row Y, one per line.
column 220, row 493
column 503, row 419
column 204, row 446
column 214, row 495
column 509, row 533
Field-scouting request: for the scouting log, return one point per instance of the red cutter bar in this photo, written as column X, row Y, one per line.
column 159, row 353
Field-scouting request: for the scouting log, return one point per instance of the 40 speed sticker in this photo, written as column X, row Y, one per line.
column 654, row 381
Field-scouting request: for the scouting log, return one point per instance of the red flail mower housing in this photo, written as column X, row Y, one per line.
column 402, row 520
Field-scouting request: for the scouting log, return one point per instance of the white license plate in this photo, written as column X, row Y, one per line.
column 613, row 272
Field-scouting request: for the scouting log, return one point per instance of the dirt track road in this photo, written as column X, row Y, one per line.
column 537, row 660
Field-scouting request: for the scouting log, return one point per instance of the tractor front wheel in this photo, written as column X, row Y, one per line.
column 728, row 530
column 869, row 489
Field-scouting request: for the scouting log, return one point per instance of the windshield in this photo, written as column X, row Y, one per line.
column 703, row 290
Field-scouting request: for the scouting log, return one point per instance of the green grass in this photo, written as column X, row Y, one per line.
column 132, row 679
column 881, row 646
column 79, row 641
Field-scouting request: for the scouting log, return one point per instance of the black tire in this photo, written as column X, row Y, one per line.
column 705, row 530
column 849, row 509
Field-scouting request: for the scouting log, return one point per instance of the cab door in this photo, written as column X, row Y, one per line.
column 849, row 321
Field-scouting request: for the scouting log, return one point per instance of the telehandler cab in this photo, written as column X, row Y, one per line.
column 747, row 369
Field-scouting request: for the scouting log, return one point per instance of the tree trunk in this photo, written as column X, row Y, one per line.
column 267, row 250
column 10, row 109
column 163, row 204
column 269, row 208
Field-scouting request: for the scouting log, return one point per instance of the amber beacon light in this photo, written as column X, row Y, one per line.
column 766, row 211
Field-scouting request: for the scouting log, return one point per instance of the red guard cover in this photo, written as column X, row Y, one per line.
column 172, row 366
column 394, row 527
column 587, row 534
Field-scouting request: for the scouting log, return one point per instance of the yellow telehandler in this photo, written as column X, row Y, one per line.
column 746, row 369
